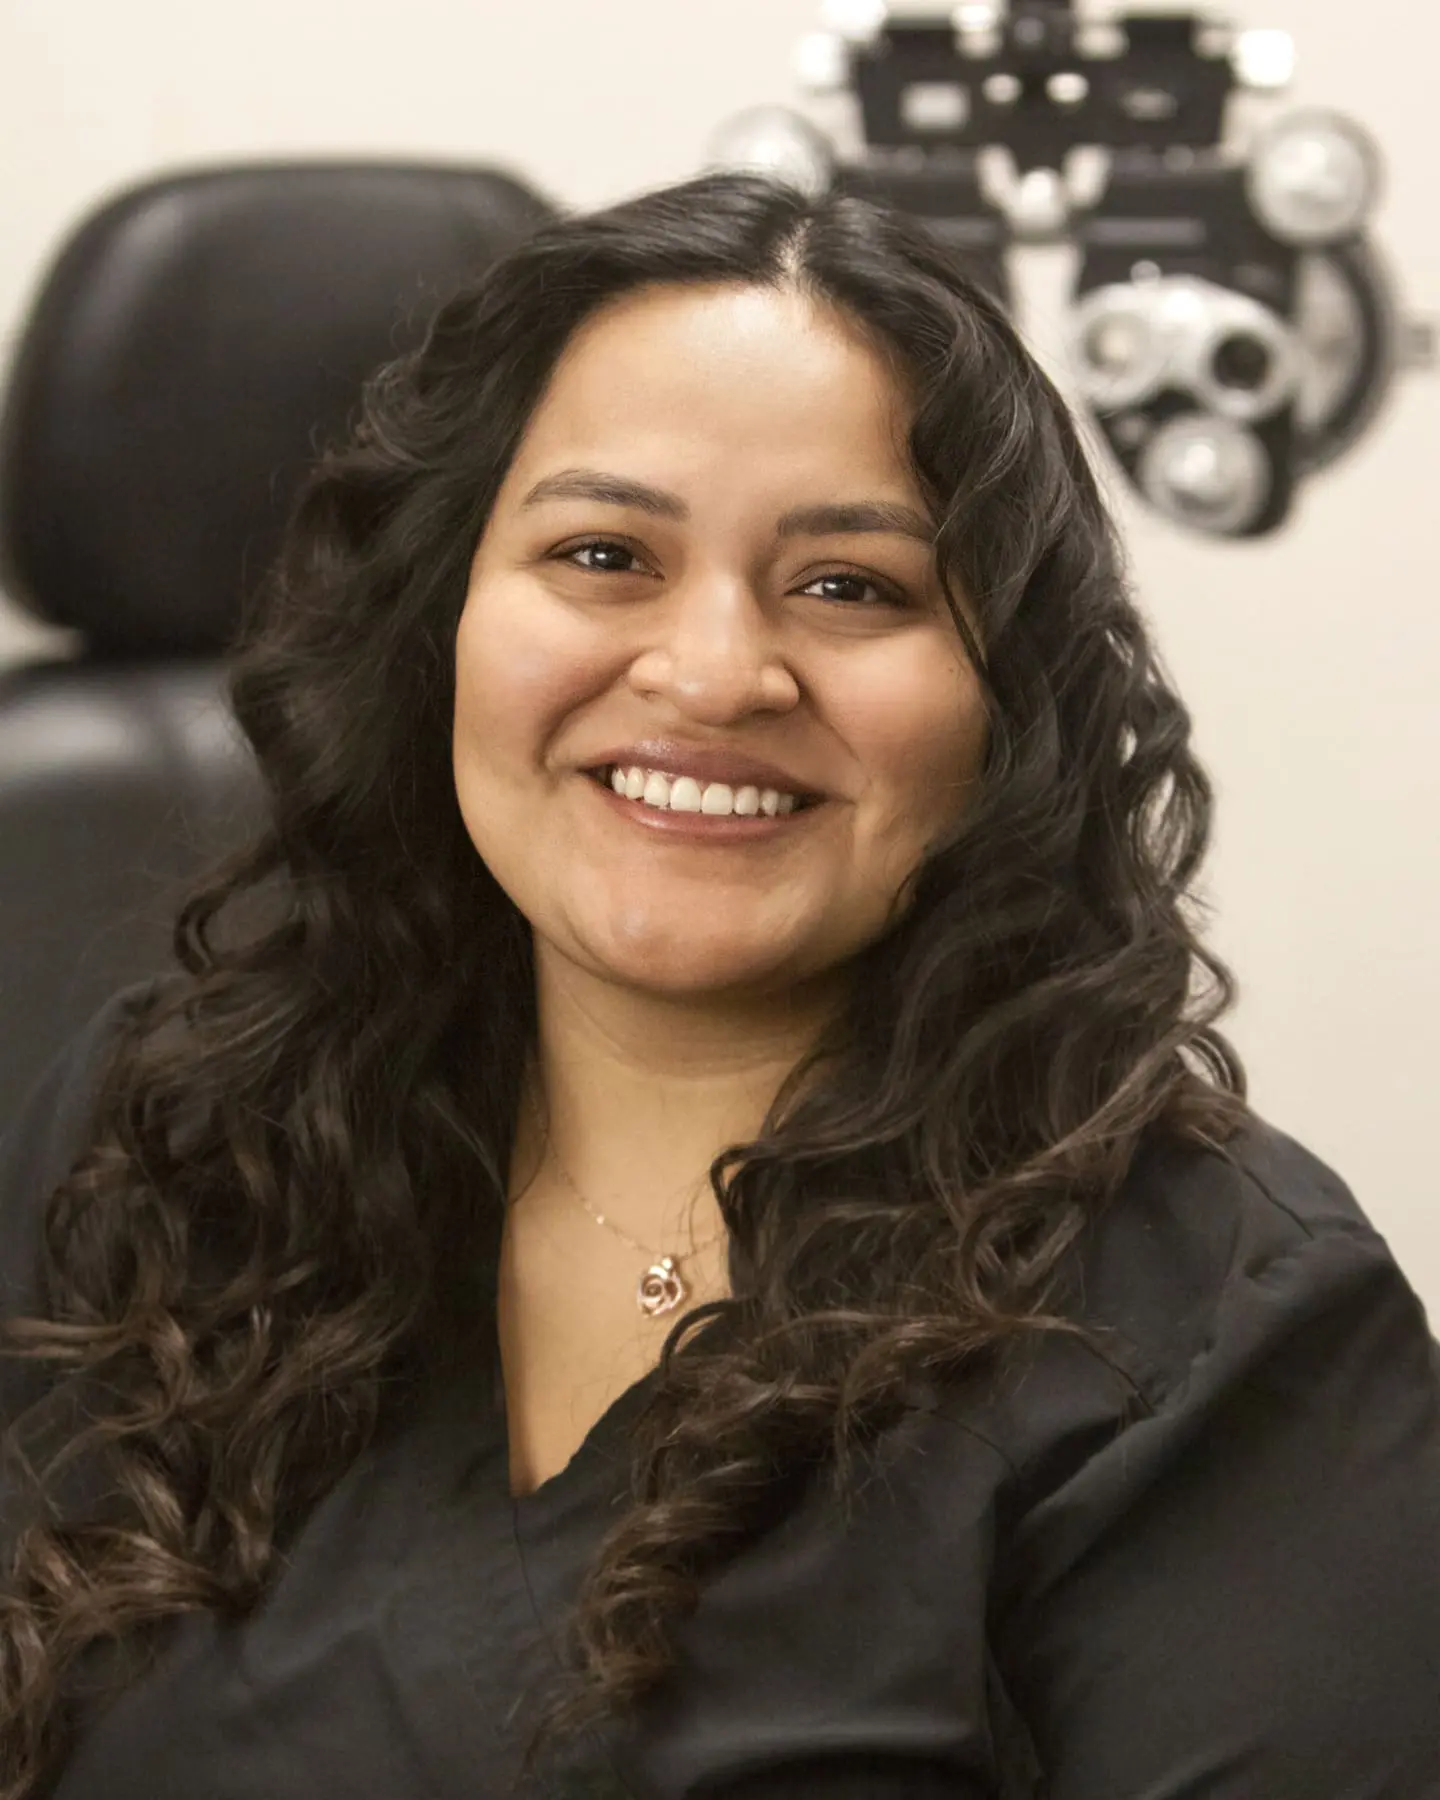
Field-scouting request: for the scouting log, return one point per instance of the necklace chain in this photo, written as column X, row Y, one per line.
column 661, row 1287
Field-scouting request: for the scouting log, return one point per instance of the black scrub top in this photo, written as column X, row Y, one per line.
column 1205, row 1566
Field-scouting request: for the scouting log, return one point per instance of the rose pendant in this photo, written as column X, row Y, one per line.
column 661, row 1290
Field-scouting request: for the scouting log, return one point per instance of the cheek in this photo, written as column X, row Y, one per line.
column 924, row 746
column 519, row 672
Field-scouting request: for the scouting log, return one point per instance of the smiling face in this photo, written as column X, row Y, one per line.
column 709, row 569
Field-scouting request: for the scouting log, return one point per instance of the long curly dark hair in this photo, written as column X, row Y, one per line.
column 304, row 1130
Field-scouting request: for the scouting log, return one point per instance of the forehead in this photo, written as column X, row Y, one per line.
column 699, row 377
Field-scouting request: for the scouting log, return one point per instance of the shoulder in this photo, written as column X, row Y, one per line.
column 1248, row 1466
column 1266, row 1190
column 1197, row 1237
column 1211, row 1277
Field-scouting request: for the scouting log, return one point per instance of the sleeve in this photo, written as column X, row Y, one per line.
column 1238, row 1598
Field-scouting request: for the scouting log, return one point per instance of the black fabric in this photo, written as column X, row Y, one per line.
column 1203, row 1567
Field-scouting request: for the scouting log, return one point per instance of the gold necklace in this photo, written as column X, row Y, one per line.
column 662, row 1287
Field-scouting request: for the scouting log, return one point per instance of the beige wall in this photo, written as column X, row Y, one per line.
column 1311, row 663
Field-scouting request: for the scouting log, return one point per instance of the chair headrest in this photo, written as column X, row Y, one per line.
column 197, row 341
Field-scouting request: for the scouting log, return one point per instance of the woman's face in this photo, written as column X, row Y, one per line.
column 709, row 568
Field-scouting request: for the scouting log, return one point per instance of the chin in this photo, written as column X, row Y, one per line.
column 677, row 966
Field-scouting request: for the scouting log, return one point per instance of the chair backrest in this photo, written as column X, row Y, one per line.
column 197, row 340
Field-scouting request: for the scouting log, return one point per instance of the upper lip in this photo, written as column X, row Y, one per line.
column 704, row 764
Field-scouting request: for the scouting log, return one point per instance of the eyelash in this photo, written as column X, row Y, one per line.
column 889, row 595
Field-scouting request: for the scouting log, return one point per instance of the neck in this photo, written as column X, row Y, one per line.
column 641, row 1091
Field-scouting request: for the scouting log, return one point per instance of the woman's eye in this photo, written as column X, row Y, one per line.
column 608, row 556
column 602, row 556
column 854, row 590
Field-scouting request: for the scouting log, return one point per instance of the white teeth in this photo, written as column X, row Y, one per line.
column 682, row 793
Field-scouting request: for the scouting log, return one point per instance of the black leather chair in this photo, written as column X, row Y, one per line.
column 196, row 341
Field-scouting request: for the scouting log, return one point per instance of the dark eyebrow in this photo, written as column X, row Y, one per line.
column 823, row 520
column 610, row 490
column 854, row 516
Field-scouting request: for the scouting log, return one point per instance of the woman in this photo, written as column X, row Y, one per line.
column 685, row 1227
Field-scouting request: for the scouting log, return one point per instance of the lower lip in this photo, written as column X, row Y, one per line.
column 702, row 828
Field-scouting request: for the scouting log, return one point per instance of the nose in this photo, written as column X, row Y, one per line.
column 715, row 653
